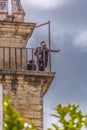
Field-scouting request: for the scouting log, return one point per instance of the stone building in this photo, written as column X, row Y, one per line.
column 25, row 87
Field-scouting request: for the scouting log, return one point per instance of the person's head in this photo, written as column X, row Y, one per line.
column 43, row 44
column 32, row 61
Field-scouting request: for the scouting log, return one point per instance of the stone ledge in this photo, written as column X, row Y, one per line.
column 33, row 78
column 17, row 23
column 27, row 72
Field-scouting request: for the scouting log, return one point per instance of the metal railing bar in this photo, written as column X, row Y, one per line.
column 3, row 58
column 21, row 58
column 9, row 58
column 15, row 59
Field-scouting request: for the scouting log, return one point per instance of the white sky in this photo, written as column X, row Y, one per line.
column 47, row 4
column 81, row 39
column 9, row 7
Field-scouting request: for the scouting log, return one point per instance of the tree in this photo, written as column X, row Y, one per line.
column 12, row 119
column 69, row 118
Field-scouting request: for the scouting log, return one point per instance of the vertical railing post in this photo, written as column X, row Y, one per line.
column 44, row 51
column 9, row 57
column 3, row 58
column 32, row 59
column 21, row 58
column 49, row 41
column 15, row 58
column 27, row 56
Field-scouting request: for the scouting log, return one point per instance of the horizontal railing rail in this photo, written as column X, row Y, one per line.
column 22, row 59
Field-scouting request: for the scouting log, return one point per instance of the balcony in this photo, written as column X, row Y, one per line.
column 15, row 58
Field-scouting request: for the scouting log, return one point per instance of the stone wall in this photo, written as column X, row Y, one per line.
column 27, row 89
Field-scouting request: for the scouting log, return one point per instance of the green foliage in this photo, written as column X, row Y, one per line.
column 69, row 118
column 12, row 119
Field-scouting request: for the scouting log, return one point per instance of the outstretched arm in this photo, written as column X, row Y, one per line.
column 51, row 50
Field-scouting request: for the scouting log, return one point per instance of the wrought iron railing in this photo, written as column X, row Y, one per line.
column 20, row 59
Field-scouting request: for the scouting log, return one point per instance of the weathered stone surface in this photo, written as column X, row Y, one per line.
column 17, row 7
column 17, row 11
column 3, row 6
column 28, row 98
column 3, row 9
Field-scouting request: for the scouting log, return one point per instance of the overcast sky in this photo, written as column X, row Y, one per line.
column 69, row 33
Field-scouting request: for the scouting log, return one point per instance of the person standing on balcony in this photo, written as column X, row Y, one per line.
column 39, row 54
column 42, row 54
